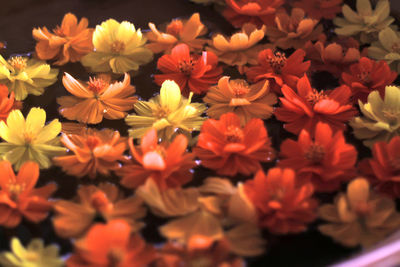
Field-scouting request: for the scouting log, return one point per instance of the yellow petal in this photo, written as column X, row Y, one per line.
column 170, row 95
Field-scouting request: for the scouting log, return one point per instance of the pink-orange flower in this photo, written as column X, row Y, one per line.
column 318, row 9
column 7, row 102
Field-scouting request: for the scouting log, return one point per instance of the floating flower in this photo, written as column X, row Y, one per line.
column 359, row 216
column 282, row 205
column 96, row 152
column 111, row 244
column 35, row 254
column 67, row 43
column 293, row 31
column 168, row 112
column 366, row 76
column 307, row 107
column 278, row 69
column 177, row 32
column 98, row 99
column 7, row 102
column 387, row 48
column 119, row 48
column 25, row 76
column 226, row 147
column 237, row 96
column 192, row 73
column 381, row 120
column 318, row 9
column 30, row 139
column 325, row 160
column 19, row 198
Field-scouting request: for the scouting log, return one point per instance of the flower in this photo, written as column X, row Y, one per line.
column 68, row 42
column 19, row 198
column 318, row 9
column 366, row 23
column 237, row 96
column 359, row 216
column 35, row 254
column 168, row 112
column 387, row 48
column 119, row 48
column 226, row 147
column 293, row 31
column 325, row 160
column 25, row 76
column 366, row 76
column 95, row 152
column 111, row 244
column 192, row 73
column 307, row 107
column 100, row 98
column 167, row 164
column 282, row 205
column 381, row 120
column 73, row 128
column 30, row 139
column 7, row 102
column 278, row 69
column 73, row 218
column 177, row 32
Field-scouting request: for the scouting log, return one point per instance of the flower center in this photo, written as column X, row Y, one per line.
column 97, row 85
column 186, row 66
column 18, row 62
column 115, row 256
column 15, row 190
column 28, row 136
column 32, row 256
column 277, row 61
column 117, row 47
column 175, row 27
column 315, row 96
column 391, row 115
column 362, row 209
column 234, row 134
column 363, row 76
column 100, row 202
column 239, row 88
column 59, row 31
column 160, row 112
column 315, row 153
column 92, row 142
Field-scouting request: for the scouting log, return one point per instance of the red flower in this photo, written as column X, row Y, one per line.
column 7, row 102
column 307, row 107
column 366, row 76
column 325, row 160
column 228, row 148
column 318, row 9
column 191, row 72
column 282, row 205
column 279, row 69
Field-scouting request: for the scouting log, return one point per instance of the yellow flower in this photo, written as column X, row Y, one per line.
column 25, row 76
column 34, row 255
column 168, row 112
column 30, row 139
column 119, row 48
column 387, row 48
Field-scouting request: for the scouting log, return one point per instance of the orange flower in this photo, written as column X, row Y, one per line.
column 7, row 102
column 318, row 9
column 89, row 104
column 246, row 101
column 307, row 107
column 325, row 160
column 282, row 205
column 68, row 43
column 229, row 149
column 97, row 151
column 278, row 69
column 73, row 218
column 19, row 198
column 177, row 32
column 167, row 164
column 111, row 244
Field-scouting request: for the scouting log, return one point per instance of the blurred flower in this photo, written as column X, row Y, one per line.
column 98, row 99
column 169, row 113
column 387, row 48
column 228, row 148
column 306, row 107
column 34, row 255
column 19, row 198
column 30, row 139
column 177, row 32
column 7, row 102
column 24, row 76
column 237, row 96
column 318, row 9
column 73, row 128
column 95, row 152
column 68, row 42
column 192, row 73
column 359, row 216
column 119, row 48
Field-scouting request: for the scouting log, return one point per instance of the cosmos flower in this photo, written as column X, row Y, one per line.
column 67, row 43
column 387, row 48
column 318, row 9
column 7, row 102
column 306, row 107
column 237, row 96
column 119, row 48
column 30, row 139
column 99, row 98
column 192, row 73
column 177, row 32
column 24, row 76
column 228, row 148
column 95, row 152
